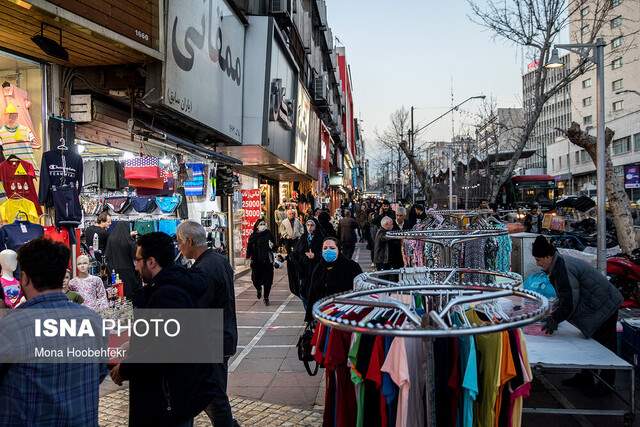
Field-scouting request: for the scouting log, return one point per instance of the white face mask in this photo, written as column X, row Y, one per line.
column 262, row 227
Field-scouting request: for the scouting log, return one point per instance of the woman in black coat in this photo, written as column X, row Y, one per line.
column 308, row 252
column 120, row 253
column 325, row 224
column 333, row 274
column 260, row 252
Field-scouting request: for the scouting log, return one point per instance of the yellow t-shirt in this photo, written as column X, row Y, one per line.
column 489, row 346
column 11, row 207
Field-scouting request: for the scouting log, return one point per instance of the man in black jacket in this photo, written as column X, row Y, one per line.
column 220, row 293
column 165, row 394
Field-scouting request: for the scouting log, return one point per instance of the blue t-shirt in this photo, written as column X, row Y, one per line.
column 16, row 234
column 469, row 365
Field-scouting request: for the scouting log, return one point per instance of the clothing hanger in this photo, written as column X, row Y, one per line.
column 21, row 213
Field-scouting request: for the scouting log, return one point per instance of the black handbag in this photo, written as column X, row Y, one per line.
column 304, row 350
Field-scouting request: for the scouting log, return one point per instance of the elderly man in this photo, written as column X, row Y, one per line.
column 388, row 253
column 401, row 219
column 192, row 242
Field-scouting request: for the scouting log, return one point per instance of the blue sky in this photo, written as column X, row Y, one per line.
column 406, row 52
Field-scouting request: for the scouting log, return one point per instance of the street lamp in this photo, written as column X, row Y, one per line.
column 595, row 53
column 414, row 132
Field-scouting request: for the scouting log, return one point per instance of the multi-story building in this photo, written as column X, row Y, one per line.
column 556, row 113
column 572, row 166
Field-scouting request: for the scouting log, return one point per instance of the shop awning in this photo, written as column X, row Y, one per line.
column 256, row 159
column 86, row 42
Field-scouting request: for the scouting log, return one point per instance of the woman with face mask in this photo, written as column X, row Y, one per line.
column 260, row 252
column 308, row 253
column 333, row 274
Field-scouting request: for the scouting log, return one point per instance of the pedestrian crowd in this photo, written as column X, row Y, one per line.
column 160, row 394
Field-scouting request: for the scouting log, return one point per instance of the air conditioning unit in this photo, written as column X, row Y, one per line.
column 282, row 8
column 321, row 90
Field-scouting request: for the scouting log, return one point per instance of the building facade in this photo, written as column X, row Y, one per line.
column 571, row 166
column 556, row 113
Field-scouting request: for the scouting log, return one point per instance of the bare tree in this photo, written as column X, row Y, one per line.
column 535, row 25
column 616, row 195
column 394, row 138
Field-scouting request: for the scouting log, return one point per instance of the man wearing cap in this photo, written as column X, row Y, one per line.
column 586, row 299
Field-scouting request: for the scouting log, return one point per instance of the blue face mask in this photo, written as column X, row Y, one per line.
column 330, row 254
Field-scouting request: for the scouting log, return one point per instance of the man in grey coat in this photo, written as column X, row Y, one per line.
column 586, row 299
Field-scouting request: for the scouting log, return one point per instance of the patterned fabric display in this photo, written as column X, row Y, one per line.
column 196, row 185
column 142, row 168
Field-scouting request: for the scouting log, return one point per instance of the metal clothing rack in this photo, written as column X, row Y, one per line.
column 390, row 296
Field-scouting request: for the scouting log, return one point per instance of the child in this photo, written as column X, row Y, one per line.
column 73, row 296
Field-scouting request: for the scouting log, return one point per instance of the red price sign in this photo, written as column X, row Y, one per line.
column 251, row 204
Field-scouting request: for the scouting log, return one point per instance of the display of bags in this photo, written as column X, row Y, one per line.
column 145, row 167
column 168, row 205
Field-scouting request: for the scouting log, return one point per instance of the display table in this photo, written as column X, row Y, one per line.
column 568, row 349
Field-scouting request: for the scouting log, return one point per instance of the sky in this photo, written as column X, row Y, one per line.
column 408, row 52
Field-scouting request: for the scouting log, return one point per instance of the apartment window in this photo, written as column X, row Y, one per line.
column 553, row 164
column 615, row 3
column 617, row 106
column 616, row 85
column 621, row 146
column 616, row 63
column 586, row 101
column 586, row 83
column 584, row 11
column 577, row 153
column 617, row 42
column 586, row 121
column 584, row 30
column 616, row 22
column 584, row 156
column 636, row 142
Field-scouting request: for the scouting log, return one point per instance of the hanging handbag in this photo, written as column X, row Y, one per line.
column 169, row 204
column 304, row 350
column 144, row 204
column 144, row 167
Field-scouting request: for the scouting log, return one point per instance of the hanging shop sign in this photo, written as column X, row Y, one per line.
column 632, row 176
column 302, row 128
column 204, row 65
column 281, row 109
column 251, row 211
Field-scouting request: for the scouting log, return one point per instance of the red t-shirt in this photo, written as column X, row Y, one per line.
column 17, row 176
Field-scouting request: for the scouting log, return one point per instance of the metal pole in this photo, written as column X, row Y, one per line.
column 601, row 163
column 412, row 140
column 451, row 177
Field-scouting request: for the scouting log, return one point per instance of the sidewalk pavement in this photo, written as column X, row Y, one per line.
column 268, row 385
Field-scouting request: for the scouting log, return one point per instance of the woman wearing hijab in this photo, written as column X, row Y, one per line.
column 325, row 224
column 308, row 253
column 120, row 253
column 333, row 274
column 260, row 252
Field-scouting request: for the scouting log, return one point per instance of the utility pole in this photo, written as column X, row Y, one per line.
column 412, row 140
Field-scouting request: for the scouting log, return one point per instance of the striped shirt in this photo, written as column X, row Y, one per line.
column 18, row 141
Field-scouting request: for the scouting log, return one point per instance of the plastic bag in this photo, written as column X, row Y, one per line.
column 539, row 282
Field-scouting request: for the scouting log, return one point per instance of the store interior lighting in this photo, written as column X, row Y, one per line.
column 127, row 155
column 164, row 160
column 80, row 148
column 50, row 46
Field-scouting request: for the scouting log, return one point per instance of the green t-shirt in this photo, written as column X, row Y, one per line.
column 356, row 378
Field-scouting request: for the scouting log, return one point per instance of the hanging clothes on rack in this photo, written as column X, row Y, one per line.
column 18, row 178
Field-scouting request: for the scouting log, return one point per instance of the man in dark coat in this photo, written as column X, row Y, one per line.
column 348, row 234
column 165, row 394
column 220, row 293
column 385, row 210
column 586, row 299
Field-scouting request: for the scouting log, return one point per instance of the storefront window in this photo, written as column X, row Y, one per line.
column 21, row 106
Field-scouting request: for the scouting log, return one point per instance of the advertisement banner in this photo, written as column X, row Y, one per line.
column 204, row 65
column 632, row 176
column 302, row 128
column 251, row 207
